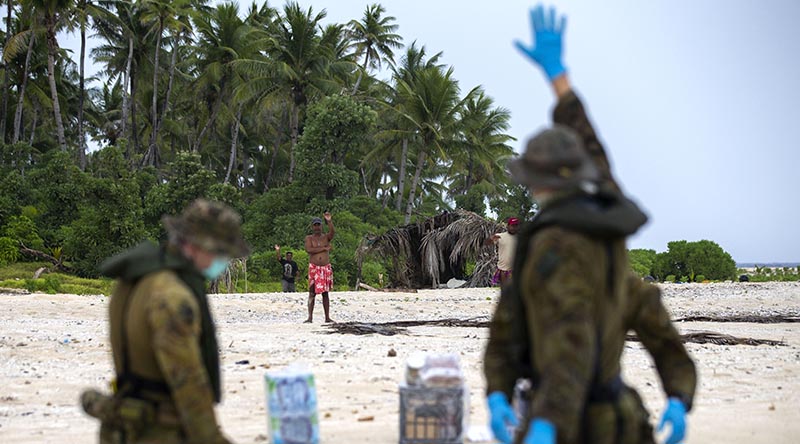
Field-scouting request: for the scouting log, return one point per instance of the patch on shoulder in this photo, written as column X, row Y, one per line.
column 186, row 313
column 548, row 263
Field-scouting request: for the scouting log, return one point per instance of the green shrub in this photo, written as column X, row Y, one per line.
column 9, row 252
column 699, row 278
column 670, row 278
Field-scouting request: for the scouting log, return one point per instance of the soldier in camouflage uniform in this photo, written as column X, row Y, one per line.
column 563, row 320
column 162, row 334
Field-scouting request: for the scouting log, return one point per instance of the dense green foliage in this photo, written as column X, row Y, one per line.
column 688, row 261
column 642, row 261
column 264, row 108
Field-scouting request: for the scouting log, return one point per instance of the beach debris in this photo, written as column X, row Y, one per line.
column 400, row 327
column 392, row 353
column 366, row 418
column 750, row 319
column 243, row 362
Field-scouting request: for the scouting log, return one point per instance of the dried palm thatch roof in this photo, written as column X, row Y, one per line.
column 432, row 251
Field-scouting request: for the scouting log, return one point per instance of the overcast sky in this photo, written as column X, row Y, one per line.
column 697, row 102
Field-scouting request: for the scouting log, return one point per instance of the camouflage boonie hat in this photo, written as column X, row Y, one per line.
column 212, row 226
column 554, row 159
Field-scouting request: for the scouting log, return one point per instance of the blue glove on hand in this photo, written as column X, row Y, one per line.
column 541, row 431
column 502, row 416
column 547, row 37
column 675, row 415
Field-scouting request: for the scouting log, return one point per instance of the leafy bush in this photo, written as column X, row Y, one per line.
column 642, row 261
column 688, row 259
column 9, row 252
column 22, row 230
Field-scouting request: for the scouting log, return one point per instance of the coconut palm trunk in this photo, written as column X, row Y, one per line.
column 414, row 182
column 401, row 176
column 151, row 157
column 234, row 144
column 295, row 123
column 126, row 102
column 5, row 76
column 52, row 43
column 211, row 119
column 23, row 85
column 81, row 98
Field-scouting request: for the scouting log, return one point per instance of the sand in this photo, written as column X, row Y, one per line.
column 53, row 346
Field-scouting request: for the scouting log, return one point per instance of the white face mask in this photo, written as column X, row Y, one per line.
column 217, row 267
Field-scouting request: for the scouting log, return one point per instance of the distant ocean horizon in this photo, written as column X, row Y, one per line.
column 767, row 264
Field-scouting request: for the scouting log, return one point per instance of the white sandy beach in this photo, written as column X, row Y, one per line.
column 53, row 346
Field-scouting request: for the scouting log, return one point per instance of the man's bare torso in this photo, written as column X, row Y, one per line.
column 314, row 242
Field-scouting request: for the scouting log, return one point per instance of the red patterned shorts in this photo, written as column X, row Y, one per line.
column 320, row 277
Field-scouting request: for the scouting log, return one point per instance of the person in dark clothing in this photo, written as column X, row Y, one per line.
column 290, row 270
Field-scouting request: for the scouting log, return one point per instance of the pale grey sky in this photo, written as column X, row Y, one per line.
column 696, row 102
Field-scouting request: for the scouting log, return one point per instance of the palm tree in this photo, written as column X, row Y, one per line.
column 482, row 151
column 4, row 112
column 374, row 37
column 432, row 106
column 84, row 10
column 24, row 40
column 52, row 13
column 123, row 54
column 412, row 63
column 160, row 15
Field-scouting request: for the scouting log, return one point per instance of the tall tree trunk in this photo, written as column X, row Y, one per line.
column 151, row 156
column 469, row 173
column 275, row 145
column 5, row 77
column 414, row 182
column 21, row 98
column 34, row 122
column 126, row 101
column 173, row 61
column 401, row 177
column 234, row 144
column 245, row 167
column 384, row 182
column 50, row 22
column 81, row 139
column 134, row 126
column 364, row 181
column 211, row 119
column 295, row 125
column 361, row 73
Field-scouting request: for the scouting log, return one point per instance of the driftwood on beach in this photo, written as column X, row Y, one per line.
column 401, row 327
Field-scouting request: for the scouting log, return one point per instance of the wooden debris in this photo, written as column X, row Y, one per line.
column 751, row 319
column 386, row 290
column 400, row 327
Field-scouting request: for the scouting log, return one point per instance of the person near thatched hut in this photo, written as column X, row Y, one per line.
column 563, row 320
column 320, row 271
column 506, row 245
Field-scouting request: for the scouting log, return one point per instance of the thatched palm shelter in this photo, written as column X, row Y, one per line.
column 435, row 250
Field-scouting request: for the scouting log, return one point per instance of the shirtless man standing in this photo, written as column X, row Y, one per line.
column 320, row 272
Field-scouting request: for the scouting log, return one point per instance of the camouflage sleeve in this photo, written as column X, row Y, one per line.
column 174, row 319
column 558, row 295
column 651, row 322
column 497, row 368
column 570, row 112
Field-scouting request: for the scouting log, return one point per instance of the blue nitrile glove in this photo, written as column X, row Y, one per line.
column 675, row 415
column 502, row 415
column 547, row 37
column 541, row 431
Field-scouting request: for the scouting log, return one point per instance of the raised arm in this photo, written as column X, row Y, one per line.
column 329, row 221
column 278, row 252
column 546, row 53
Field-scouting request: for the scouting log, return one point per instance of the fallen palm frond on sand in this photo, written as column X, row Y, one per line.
column 401, row 327
column 751, row 319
